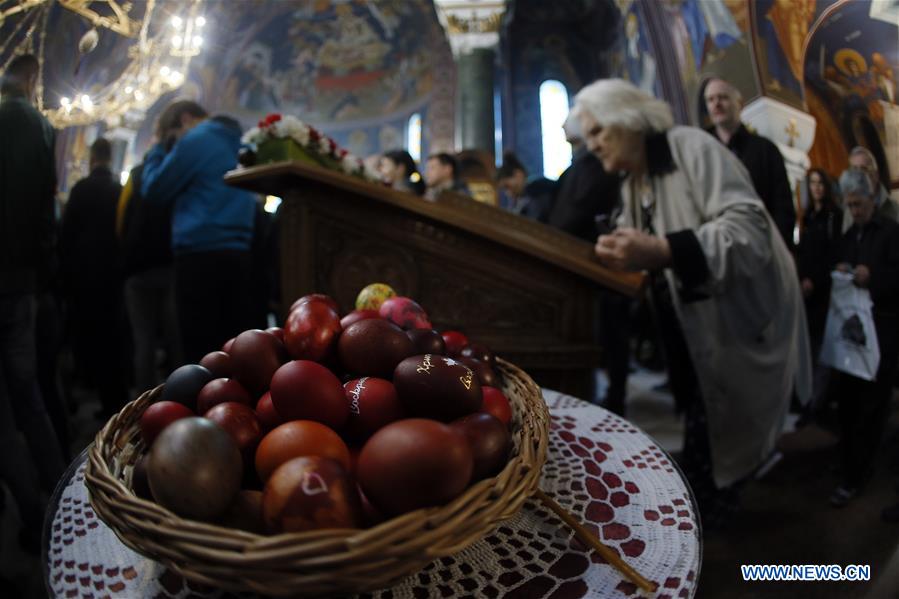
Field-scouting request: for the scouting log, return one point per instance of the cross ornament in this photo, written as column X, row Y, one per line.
column 792, row 132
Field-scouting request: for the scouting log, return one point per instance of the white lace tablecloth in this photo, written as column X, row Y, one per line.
column 609, row 474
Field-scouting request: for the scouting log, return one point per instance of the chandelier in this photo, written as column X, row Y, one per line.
column 166, row 36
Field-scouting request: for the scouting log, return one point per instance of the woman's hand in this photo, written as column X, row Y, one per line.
column 630, row 249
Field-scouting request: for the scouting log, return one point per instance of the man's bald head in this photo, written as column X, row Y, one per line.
column 723, row 102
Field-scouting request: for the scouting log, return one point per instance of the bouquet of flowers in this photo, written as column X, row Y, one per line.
column 313, row 143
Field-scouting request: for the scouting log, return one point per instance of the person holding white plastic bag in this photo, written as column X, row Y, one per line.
column 870, row 252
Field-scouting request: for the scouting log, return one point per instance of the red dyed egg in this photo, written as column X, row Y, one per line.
column 296, row 439
column 310, row 493
column 414, row 463
column 315, row 297
column 277, row 332
column 255, row 356
column 497, row 404
column 490, row 443
column 306, row 390
column 373, row 348
column 373, row 405
column 311, row 331
column 219, row 391
column 218, row 363
column 426, row 341
column 486, row 375
column 479, row 352
column 405, row 313
column 239, row 421
column 158, row 416
column 357, row 315
column 454, row 341
column 266, row 413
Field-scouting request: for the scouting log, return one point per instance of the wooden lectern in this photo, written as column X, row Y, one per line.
column 522, row 288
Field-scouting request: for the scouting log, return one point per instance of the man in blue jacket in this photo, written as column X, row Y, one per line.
column 212, row 224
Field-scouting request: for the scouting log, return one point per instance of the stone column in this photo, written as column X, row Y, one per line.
column 475, row 73
column 473, row 32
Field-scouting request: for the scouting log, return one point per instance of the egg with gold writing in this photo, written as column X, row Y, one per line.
column 438, row 387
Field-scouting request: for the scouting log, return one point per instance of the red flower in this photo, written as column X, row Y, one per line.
column 272, row 118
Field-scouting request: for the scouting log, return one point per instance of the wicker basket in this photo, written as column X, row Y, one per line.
column 324, row 562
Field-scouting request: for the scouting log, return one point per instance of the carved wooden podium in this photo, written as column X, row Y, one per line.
column 522, row 288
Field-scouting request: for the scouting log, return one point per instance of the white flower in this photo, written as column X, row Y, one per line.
column 324, row 145
column 254, row 136
column 278, row 129
column 350, row 164
column 300, row 133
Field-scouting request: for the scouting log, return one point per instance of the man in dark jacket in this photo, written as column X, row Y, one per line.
column 93, row 285
column 27, row 243
column 759, row 155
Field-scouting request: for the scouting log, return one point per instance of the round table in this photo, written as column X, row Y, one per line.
column 610, row 475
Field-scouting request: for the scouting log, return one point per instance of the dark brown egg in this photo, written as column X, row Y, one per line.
column 255, row 356
column 479, row 352
column 195, row 469
column 219, row 391
column 412, row 464
column 438, row 387
column 218, row 363
column 373, row 347
column 490, row 442
column 486, row 375
column 310, row 493
column 427, row 341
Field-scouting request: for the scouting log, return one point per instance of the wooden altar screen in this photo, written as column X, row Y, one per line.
column 524, row 289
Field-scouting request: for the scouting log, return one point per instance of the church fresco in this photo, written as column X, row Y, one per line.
column 349, row 68
column 710, row 38
column 328, row 62
column 850, row 76
column 638, row 56
column 782, row 27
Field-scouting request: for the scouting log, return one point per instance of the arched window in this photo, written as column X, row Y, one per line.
column 413, row 137
column 553, row 112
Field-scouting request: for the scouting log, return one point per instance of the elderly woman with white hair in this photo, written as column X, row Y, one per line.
column 870, row 251
column 724, row 286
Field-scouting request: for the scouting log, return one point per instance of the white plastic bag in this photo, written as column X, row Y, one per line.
column 850, row 341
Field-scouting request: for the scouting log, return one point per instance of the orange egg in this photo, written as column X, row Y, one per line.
column 296, row 439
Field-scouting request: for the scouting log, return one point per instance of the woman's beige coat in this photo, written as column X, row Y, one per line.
column 748, row 340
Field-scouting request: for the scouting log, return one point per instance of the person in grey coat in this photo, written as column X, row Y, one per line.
column 724, row 285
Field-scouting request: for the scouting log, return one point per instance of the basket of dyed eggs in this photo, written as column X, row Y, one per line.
column 332, row 456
